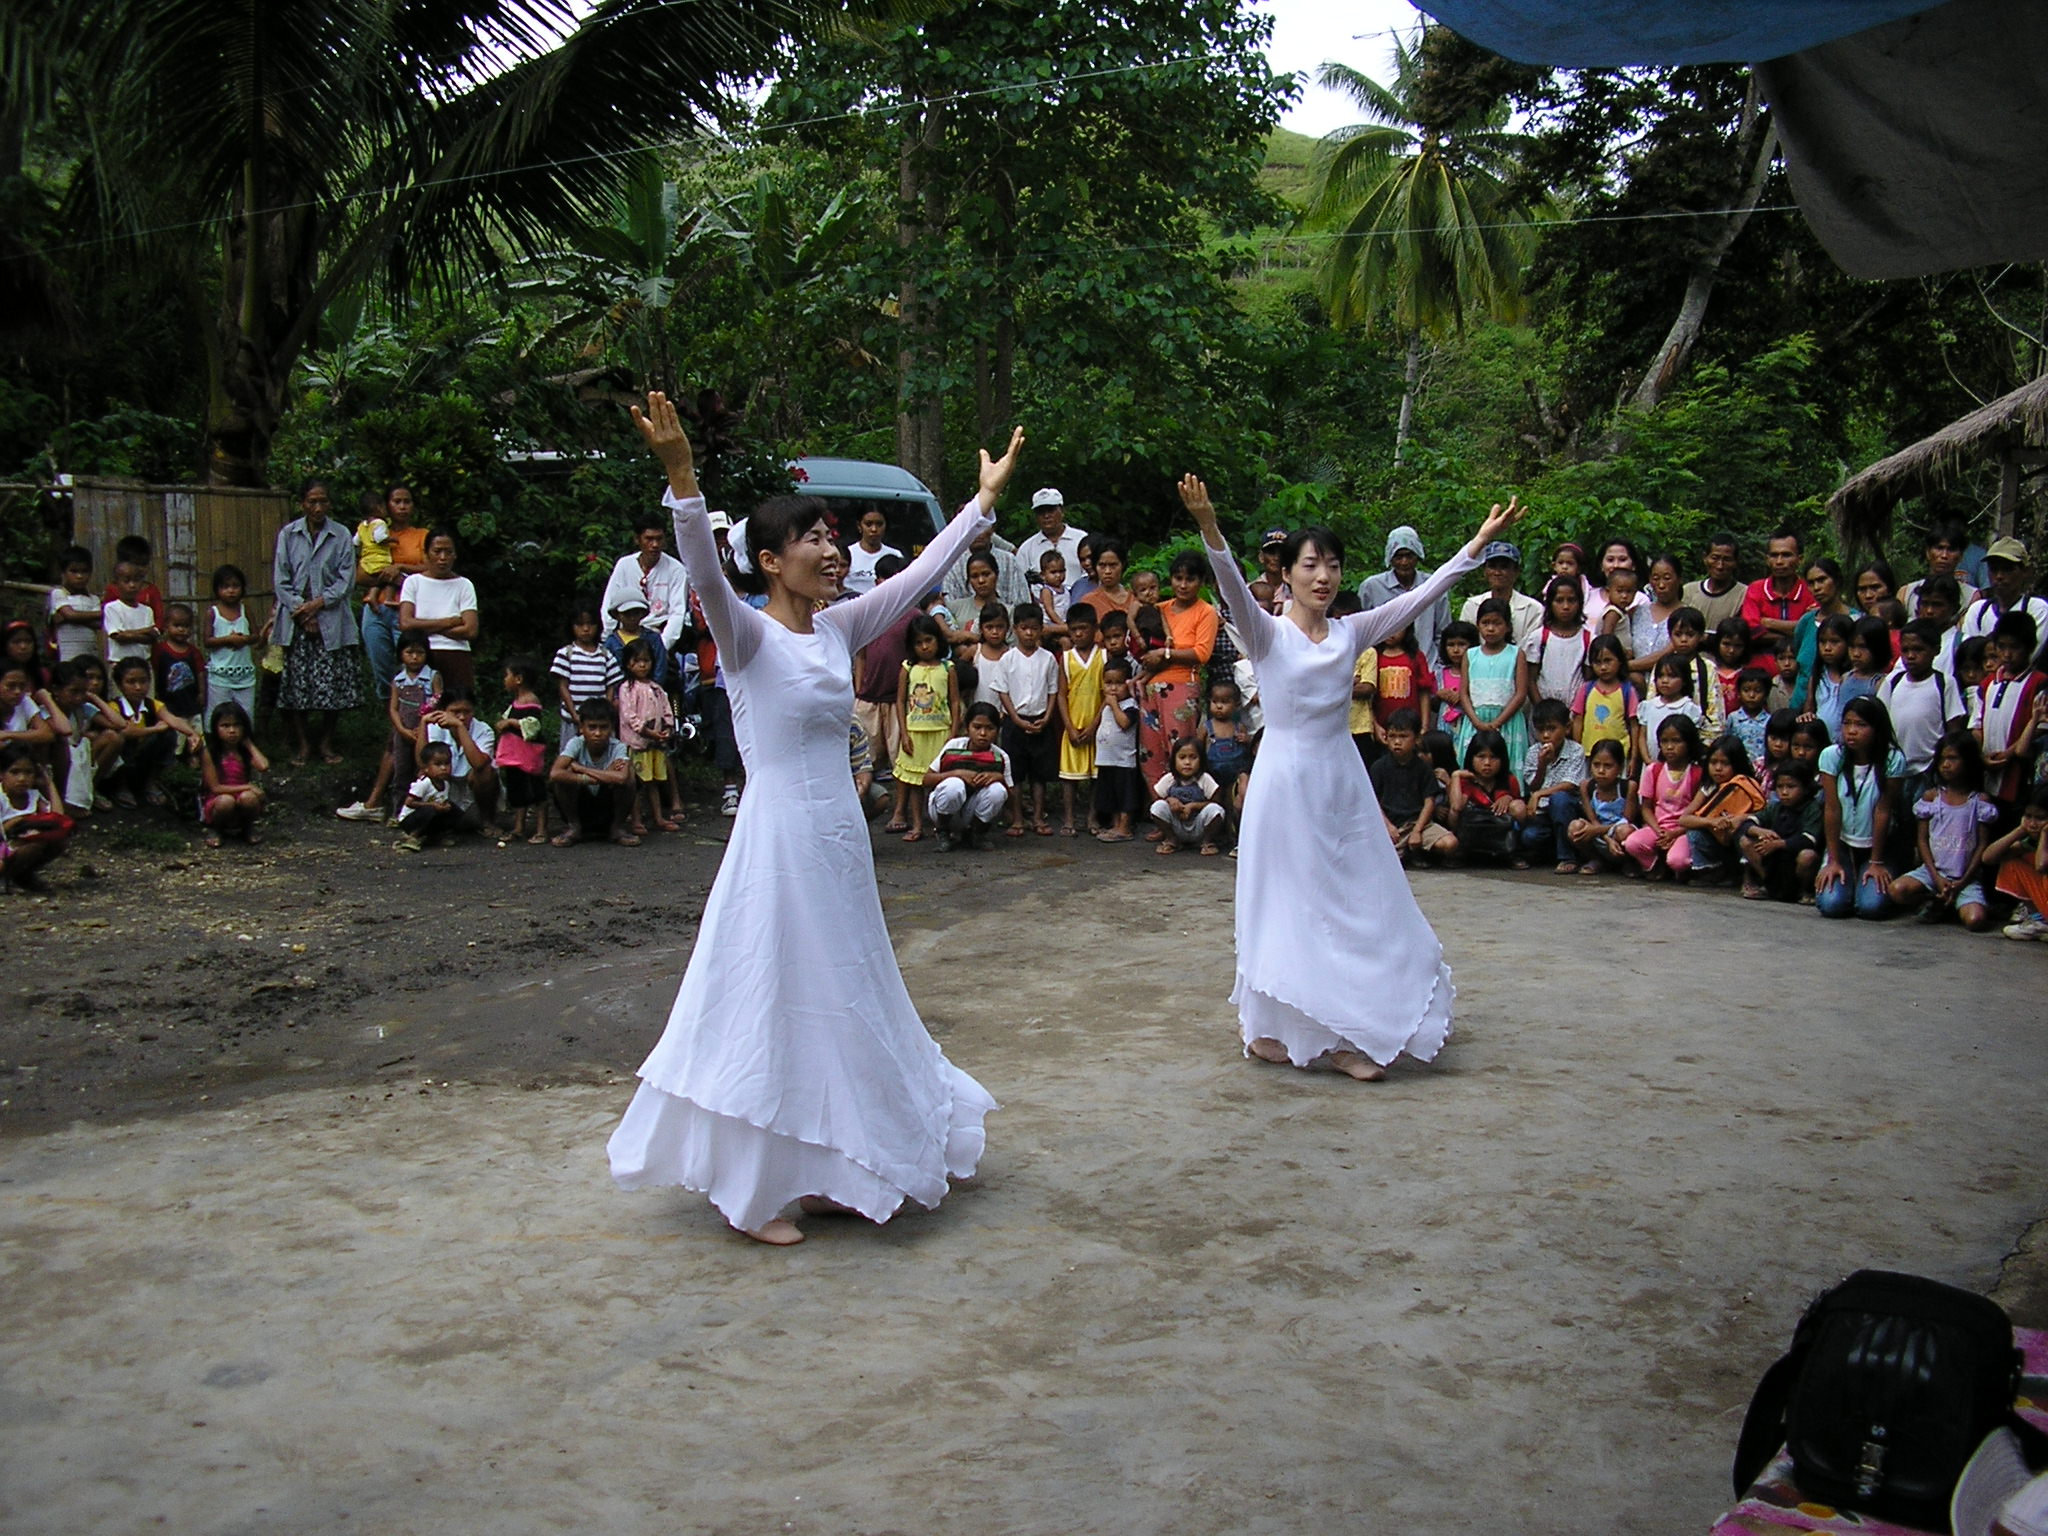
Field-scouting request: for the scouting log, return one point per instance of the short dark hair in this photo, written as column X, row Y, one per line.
column 1940, row 586
column 1027, row 613
column 647, row 520
column 593, row 711
column 1116, row 618
column 1755, row 675
column 434, row 751
column 455, row 693
column 1688, row 618
column 982, row 711
column 133, row 548
column 1798, row 543
column 74, row 554
column 1053, row 553
column 1548, row 712
column 1322, row 540
column 1798, row 772
column 1117, row 664
column 1188, row 563
column 1926, row 631
column 994, row 612
column 2017, row 626
column 889, row 565
column 1404, row 719
column 1081, row 613
column 1721, row 538
column 128, row 664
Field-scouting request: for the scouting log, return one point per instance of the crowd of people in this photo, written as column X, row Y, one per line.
column 1810, row 735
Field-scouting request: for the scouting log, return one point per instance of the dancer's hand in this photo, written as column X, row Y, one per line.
column 1194, row 495
column 663, row 432
column 995, row 473
column 1498, row 522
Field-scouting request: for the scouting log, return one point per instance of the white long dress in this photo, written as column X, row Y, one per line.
column 794, row 1062
column 1332, row 951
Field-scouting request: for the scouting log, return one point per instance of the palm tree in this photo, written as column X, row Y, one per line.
column 1421, row 225
column 285, row 152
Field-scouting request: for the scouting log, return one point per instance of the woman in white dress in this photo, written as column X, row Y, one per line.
column 794, row 1065
column 1336, row 965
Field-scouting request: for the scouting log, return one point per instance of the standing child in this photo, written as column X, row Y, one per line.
column 1117, row 789
column 1554, row 780
column 1401, row 677
column 1925, row 704
column 1494, row 685
column 131, row 624
column 928, row 699
column 1732, row 646
column 1455, row 639
column 1726, row 798
column 1870, row 659
column 76, row 617
column 1665, row 790
column 1227, row 747
column 2002, row 713
column 1859, row 780
column 1781, row 845
column 1688, row 635
column 32, row 830
column 1364, row 718
column 179, row 665
column 1599, row 837
column 230, row 798
column 1606, row 708
column 2021, row 857
column 409, row 693
column 1080, row 700
column 583, row 670
column 521, row 753
column 1670, row 698
column 1750, row 720
column 229, row 642
column 990, row 654
column 1785, row 681
column 647, row 722
column 1485, row 799
column 1824, row 689
column 1955, row 818
column 1557, row 652
column 1778, row 731
column 1185, row 807
column 1027, row 687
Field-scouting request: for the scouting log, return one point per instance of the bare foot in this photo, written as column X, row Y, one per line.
column 1269, row 1050
column 1351, row 1064
column 818, row 1205
column 776, row 1234
column 1165, row 847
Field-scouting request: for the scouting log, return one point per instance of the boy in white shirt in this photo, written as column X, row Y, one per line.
column 1924, row 702
column 1117, row 785
column 430, row 809
column 969, row 782
column 473, row 781
column 130, row 623
column 75, row 614
column 1026, row 679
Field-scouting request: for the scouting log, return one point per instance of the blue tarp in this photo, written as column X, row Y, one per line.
column 1606, row 34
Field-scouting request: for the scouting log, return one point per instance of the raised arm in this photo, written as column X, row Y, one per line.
column 867, row 616
column 735, row 626
column 1254, row 623
column 1376, row 624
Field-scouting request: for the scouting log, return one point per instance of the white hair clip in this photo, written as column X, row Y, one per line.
column 736, row 541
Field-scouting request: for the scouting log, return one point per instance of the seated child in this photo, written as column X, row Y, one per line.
column 230, row 799
column 149, row 732
column 1727, row 796
column 472, row 745
column 593, row 780
column 1553, row 778
column 1186, row 807
column 1486, row 799
column 32, row 830
column 1781, row 844
column 1598, row 837
column 430, row 812
column 1406, row 785
column 2021, row 858
column 1665, row 790
column 1954, row 817
column 969, row 782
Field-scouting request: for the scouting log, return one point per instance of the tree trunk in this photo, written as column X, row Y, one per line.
column 920, row 414
column 1411, row 377
column 1671, row 357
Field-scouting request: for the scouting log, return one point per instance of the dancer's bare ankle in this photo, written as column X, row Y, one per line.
column 776, row 1234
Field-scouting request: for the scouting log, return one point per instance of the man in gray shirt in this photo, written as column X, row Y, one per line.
column 1404, row 570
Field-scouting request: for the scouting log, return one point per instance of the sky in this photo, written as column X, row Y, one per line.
column 1354, row 32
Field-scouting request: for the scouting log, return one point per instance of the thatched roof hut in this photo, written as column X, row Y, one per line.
column 2011, row 429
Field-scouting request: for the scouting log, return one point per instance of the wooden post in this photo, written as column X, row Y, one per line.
column 2008, row 491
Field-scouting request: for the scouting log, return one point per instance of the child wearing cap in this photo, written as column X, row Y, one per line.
column 1270, row 586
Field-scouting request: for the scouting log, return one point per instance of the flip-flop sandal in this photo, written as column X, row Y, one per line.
column 1013, row 832
column 252, row 837
column 626, row 839
column 913, row 837
column 1210, row 850
column 1042, row 830
column 897, row 826
column 1164, row 848
column 1114, row 837
column 670, row 826
column 566, row 839
column 1070, row 831
column 538, row 837
column 213, row 839
column 1754, row 893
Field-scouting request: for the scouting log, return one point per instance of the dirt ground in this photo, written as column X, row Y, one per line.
column 305, row 1225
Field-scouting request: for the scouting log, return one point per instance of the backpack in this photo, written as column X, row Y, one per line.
column 1890, row 1385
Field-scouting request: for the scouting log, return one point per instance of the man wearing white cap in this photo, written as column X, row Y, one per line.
column 2006, row 560
column 1050, row 508
column 652, row 573
column 1404, row 569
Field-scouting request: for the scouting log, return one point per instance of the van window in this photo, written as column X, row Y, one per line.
column 910, row 523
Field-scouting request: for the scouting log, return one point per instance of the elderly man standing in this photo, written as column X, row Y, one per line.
column 1050, row 508
column 1404, row 570
column 650, row 572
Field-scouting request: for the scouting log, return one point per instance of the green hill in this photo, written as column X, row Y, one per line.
column 1287, row 161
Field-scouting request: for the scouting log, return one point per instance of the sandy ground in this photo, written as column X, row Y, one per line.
column 378, row 1279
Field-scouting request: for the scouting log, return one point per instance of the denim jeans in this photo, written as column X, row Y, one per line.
column 380, row 647
column 1857, row 895
column 1544, row 834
